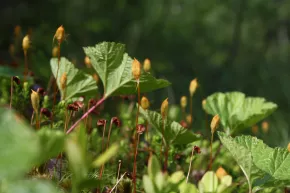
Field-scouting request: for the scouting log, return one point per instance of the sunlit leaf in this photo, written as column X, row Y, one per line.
column 106, row 156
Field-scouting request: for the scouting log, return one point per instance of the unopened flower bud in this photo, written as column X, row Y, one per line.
column 116, row 121
column 192, row 87
column 214, row 123
column 59, row 34
column 203, row 103
column 34, row 100
column 63, row 81
column 101, row 122
column 55, row 51
column 145, row 103
column 220, row 173
column 188, row 119
column 147, row 65
column 183, row 102
column 96, row 77
column 136, row 69
column 88, row 62
column 288, row 147
column 164, row 108
column 26, row 43
column 265, row 126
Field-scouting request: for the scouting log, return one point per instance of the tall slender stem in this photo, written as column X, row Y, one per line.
column 135, row 162
column 189, row 168
column 25, row 65
column 103, row 147
column 162, row 140
column 55, row 84
column 191, row 113
column 11, row 92
column 166, row 158
column 210, row 160
column 119, row 168
column 86, row 114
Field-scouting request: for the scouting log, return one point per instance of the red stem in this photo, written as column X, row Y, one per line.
column 135, row 162
column 86, row 114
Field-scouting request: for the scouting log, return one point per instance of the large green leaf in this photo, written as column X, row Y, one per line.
column 78, row 83
column 30, row 186
column 254, row 158
column 51, row 143
column 114, row 68
column 19, row 145
column 238, row 111
column 106, row 156
column 173, row 131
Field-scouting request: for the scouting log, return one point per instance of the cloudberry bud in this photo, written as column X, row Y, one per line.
column 147, row 65
column 145, row 103
column 192, row 87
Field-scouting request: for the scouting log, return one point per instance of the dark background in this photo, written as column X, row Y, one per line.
column 229, row 45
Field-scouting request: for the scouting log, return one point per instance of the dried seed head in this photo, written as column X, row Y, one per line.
column 255, row 129
column 55, row 51
column 16, row 80
column 116, row 121
column 88, row 62
column 196, row 149
column 34, row 100
column 79, row 104
column 214, row 123
column 72, row 107
column 59, row 34
column 288, row 147
column 265, row 126
column 220, row 173
column 46, row 112
column 183, row 101
column 96, row 77
column 188, row 119
column 164, row 108
column 63, row 81
column 26, row 43
column 192, row 87
column 136, row 69
column 40, row 91
column 140, row 129
column 147, row 65
column 101, row 122
column 92, row 102
column 145, row 103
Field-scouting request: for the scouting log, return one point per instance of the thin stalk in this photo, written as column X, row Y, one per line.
column 166, row 159
column 32, row 117
column 119, row 168
column 86, row 120
column 162, row 142
column 191, row 112
column 136, row 143
column 189, row 168
column 25, row 65
column 118, row 182
column 109, row 134
column 135, row 162
column 210, row 160
column 36, row 120
column 55, row 84
column 86, row 114
column 147, row 133
column 103, row 147
column 11, row 92
column 65, row 120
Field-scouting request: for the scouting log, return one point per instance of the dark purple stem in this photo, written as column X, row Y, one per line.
column 86, row 114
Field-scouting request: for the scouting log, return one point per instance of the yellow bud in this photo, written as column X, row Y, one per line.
column 288, row 147
column 214, row 123
column 203, row 103
column 192, row 87
column 63, row 81
column 183, row 101
column 255, row 129
column 188, row 119
column 26, row 43
column 88, row 62
column 147, row 65
column 55, row 51
column 220, row 173
column 145, row 103
column 96, row 77
column 164, row 108
column 59, row 34
column 136, row 69
column 265, row 126
column 34, row 100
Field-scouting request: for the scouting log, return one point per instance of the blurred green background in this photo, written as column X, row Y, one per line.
column 229, row 45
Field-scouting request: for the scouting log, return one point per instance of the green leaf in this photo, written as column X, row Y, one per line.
column 188, row 188
column 114, row 66
column 106, row 156
column 275, row 161
column 30, row 186
column 260, row 164
column 19, row 145
column 78, row 83
column 153, row 167
column 51, row 143
column 237, row 111
column 208, row 183
column 173, row 131
column 148, row 185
